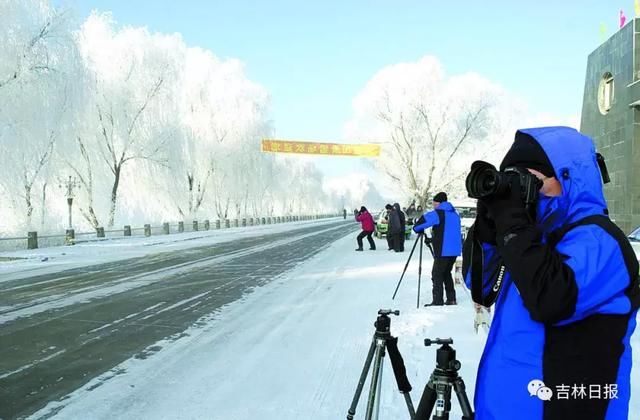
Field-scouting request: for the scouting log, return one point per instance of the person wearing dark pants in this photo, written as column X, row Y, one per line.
column 394, row 231
column 444, row 222
column 372, row 244
column 441, row 274
column 403, row 224
column 393, row 228
column 368, row 226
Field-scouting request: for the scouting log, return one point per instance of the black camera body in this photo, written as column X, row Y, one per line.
column 485, row 180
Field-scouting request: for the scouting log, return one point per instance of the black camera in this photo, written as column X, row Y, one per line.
column 485, row 180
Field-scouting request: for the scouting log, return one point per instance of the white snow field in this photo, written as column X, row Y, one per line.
column 294, row 349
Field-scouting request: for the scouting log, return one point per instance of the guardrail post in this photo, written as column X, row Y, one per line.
column 227, row 223
column 180, row 227
column 32, row 240
column 100, row 232
column 195, row 225
column 127, row 230
column 244, row 221
column 70, row 237
column 166, row 229
column 264, row 221
column 207, row 226
column 147, row 230
column 218, row 224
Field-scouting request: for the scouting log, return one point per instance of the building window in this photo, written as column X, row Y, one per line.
column 605, row 93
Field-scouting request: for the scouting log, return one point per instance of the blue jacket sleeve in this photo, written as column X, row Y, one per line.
column 582, row 275
column 426, row 221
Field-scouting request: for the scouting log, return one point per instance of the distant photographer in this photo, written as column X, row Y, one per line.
column 447, row 246
column 564, row 280
column 368, row 226
column 394, row 229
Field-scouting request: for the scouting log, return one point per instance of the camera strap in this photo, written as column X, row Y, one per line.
column 496, row 278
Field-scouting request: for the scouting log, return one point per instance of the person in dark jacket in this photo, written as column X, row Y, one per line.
column 447, row 246
column 388, row 208
column 365, row 218
column 564, row 280
column 412, row 213
column 393, row 230
column 403, row 225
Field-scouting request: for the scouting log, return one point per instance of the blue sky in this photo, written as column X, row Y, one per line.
column 315, row 56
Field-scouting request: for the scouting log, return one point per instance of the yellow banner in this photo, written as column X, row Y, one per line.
column 332, row 149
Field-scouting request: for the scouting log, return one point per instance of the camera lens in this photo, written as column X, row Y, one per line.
column 483, row 180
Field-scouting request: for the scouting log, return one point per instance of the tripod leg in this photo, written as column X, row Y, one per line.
column 406, row 265
column 375, row 375
column 376, row 414
column 427, row 401
column 419, row 275
column 443, row 402
column 467, row 412
column 363, row 378
column 412, row 411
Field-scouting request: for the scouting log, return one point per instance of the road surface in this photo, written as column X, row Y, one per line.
column 60, row 330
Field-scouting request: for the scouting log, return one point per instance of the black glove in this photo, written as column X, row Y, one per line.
column 507, row 211
column 484, row 228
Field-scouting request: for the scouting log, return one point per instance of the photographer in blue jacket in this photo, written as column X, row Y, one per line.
column 444, row 222
column 563, row 278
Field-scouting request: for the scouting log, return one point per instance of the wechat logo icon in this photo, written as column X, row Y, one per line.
column 538, row 389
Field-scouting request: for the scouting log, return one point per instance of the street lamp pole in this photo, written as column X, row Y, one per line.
column 71, row 184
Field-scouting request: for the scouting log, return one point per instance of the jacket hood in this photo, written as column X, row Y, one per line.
column 573, row 157
column 446, row 206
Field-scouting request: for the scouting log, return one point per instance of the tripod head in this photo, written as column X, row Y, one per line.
column 388, row 312
column 383, row 322
column 445, row 355
column 428, row 341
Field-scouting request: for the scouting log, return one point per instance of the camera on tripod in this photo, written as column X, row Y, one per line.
column 485, row 180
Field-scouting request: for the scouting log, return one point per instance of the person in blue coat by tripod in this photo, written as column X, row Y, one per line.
column 446, row 244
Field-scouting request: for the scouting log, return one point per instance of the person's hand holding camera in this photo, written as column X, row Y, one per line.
column 507, row 210
column 484, row 228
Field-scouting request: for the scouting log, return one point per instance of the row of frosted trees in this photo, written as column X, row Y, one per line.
column 147, row 128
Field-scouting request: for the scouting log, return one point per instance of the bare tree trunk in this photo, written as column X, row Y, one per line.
column 27, row 198
column 87, row 182
column 190, row 187
column 114, row 194
column 43, row 210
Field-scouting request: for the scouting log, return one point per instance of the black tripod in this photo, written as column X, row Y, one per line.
column 419, row 238
column 437, row 392
column 382, row 340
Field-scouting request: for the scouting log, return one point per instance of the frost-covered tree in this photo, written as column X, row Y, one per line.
column 150, row 128
column 131, row 70
column 432, row 126
column 39, row 65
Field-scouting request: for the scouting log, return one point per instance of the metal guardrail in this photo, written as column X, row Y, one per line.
column 34, row 241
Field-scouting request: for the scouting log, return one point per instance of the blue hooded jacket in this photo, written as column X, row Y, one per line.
column 564, row 313
column 447, row 239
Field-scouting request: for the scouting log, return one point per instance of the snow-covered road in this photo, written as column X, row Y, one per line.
column 60, row 329
column 292, row 349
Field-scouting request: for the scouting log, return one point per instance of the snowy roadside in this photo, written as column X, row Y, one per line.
column 292, row 349
column 47, row 260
